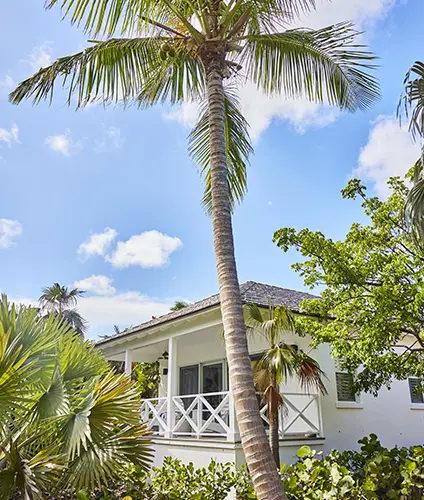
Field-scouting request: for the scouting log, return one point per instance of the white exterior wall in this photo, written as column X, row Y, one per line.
column 390, row 415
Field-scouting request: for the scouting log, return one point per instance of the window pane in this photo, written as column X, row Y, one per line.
column 416, row 396
column 344, row 383
column 189, row 380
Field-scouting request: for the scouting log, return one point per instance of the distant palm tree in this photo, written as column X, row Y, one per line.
column 278, row 363
column 413, row 104
column 62, row 301
column 179, row 304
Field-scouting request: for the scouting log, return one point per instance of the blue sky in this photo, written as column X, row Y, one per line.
column 108, row 199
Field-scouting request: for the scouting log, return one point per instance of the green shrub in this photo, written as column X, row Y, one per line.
column 373, row 472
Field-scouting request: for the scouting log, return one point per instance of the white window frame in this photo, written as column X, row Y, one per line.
column 353, row 405
column 221, row 361
column 415, row 405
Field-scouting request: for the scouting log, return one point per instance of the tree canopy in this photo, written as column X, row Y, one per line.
column 371, row 311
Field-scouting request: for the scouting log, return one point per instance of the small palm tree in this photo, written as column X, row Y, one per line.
column 278, row 363
column 174, row 51
column 412, row 102
column 62, row 301
column 179, row 304
column 66, row 420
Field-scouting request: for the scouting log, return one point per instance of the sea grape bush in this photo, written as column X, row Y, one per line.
column 373, row 472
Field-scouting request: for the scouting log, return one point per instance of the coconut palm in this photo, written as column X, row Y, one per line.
column 413, row 105
column 278, row 363
column 62, row 301
column 174, row 51
column 66, row 420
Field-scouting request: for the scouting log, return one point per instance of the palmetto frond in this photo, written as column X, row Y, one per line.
column 323, row 65
column 64, row 416
column 413, row 98
column 237, row 145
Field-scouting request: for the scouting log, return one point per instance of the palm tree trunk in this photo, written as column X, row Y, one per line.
column 274, row 438
column 253, row 437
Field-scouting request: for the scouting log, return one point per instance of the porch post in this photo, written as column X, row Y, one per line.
column 172, row 386
column 128, row 362
column 233, row 435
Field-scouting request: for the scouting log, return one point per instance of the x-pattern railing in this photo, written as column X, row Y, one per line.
column 195, row 414
column 292, row 413
column 154, row 413
column 207, row 415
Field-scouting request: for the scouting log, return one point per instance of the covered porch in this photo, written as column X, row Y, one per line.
column 194, row 400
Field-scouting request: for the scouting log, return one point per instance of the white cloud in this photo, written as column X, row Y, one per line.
column 40, row 57
column 7, row 83
column 388, row 152
column 122, row 309
column 364, row 13
column 9, row 136
column 97, row 284
column 63, row 143
column 111, row 139
column 148, row 249
column 98, row 243
column 9, row 230
column 261, row 110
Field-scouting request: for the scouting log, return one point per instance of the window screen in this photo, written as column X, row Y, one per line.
column 416, row 395
column 344, row 383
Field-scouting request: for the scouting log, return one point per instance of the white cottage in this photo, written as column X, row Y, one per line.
column 193, row 418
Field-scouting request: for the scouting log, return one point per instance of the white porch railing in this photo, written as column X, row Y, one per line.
column 299, row 416
column 208, row 415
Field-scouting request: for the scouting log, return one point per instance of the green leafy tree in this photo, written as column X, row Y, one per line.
column 66, row 421
column 62, row 302
column 371, row 307
column 278, row 363
column 173, row 51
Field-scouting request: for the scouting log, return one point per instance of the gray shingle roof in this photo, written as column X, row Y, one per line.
column 251, row 291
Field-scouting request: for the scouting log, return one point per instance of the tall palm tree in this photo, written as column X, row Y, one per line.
column 278, row 363
column 182, row 50
column 413, row 105
column 62, row 301
column 67, row 421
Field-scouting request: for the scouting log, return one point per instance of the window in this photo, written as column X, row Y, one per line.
column 414, row 392
column 344, row 383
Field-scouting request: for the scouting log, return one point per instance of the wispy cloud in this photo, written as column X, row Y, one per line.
column 40, row 56
column 9, row 231
column 64, row 143
column 111, row 139
column 9, row 136
column 7, row 83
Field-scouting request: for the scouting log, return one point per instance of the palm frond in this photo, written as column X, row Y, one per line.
column 309, row 373
column 414, row 205
column 323, row 65
column 237, row 146
column 413, row 99
column 117, row 70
